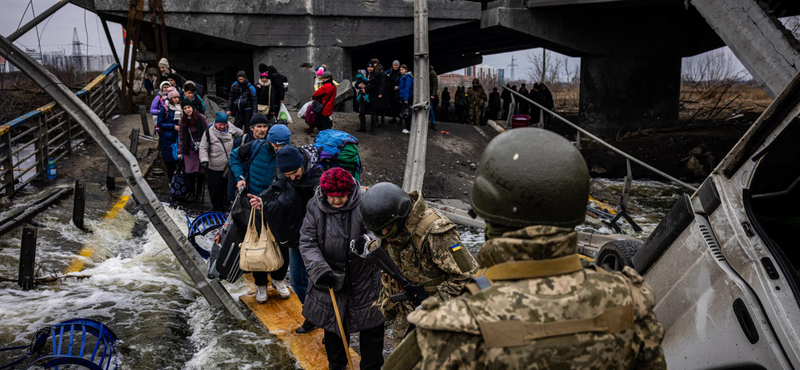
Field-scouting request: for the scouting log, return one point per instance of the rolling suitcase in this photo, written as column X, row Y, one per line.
column 223, row 263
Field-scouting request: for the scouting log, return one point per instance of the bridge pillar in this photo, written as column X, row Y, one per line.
column 625, row 93
column 299, row 64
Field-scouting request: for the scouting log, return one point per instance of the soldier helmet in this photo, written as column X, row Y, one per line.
column 531, row 177
column 384, row 204
column 476, row 81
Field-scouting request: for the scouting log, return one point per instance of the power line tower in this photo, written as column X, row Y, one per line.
column 77, row 56
column 512, row 65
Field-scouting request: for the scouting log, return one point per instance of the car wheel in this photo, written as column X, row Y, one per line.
column 617, row 254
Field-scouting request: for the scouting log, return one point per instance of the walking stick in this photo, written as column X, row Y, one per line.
column 341, row 328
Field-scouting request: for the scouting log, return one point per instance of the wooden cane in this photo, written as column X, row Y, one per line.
column 341, row 328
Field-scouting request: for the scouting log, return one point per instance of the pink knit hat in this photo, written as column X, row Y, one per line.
column 320, row 71
column 173, row 93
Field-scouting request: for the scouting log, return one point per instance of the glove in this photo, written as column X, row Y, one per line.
column 325, row 280
column 204, row 165
column 360, row 244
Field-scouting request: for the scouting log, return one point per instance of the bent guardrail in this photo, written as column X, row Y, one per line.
column 28, row 141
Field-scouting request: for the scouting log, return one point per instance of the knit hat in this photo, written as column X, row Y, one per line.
column 264, row 74
column 396, row 63
column 241, row 74
column 289, row 159
column 279, row 135
column 185, row 102
column 173, row 93
column 327, row 75
column 320, row 71
column 362, row 71
column 259, row 119
column 163, row 63
column 161, row 85
column 221, row 117
column 336, row 182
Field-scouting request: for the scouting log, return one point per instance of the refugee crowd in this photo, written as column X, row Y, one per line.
column 526, row 299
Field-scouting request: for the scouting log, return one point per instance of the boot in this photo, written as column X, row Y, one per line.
column 307, row 327
column 261, row 293
column 280, row 286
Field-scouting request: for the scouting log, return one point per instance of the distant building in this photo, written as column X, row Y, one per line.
column 486, row 73
column 453, row 79
column 60, row 60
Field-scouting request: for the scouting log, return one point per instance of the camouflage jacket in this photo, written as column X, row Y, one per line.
column 476, row 97
column 428, row 251
column 584, row 319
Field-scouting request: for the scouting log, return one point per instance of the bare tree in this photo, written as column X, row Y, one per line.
column 545, row 67
column 711, row 73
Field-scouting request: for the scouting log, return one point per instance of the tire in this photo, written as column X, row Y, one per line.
column 617, row 254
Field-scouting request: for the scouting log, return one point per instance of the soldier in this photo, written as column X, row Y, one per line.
column 422, row 242
column 477, row 99
column 531, row 304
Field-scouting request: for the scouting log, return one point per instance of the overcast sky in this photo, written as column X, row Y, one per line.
column 56, row 34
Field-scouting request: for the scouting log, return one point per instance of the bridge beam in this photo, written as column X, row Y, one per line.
column 764, row 46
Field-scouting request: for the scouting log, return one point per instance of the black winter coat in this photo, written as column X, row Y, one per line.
column 243, row 97
column 377, row 86
column 324, row 243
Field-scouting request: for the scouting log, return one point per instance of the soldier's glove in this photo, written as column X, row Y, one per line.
column 415, row 293
column 359, row 245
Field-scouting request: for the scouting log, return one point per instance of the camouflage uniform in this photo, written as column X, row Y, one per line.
column 428, row 251
column 541, row 312
column 477, row 99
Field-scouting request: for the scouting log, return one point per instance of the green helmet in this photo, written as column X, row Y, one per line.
column 384, row 204
column 531, row 177
column 476, row 81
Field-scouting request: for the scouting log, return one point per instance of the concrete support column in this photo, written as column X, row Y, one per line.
column 298, row 65
column 764, row 46
column 625, row 93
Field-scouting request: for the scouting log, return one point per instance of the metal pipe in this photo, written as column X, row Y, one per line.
column 417, row 142
column 607, row 145
column 35, row 21
column 212, row 290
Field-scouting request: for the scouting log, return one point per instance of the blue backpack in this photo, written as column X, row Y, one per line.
column 330, row 143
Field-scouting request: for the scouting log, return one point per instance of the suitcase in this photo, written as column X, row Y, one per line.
column 223, row 263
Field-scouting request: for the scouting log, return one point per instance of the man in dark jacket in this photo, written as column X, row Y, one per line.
column 548, row 102
column 295, row 181
column 494, row 103
column 393, row 79
column 506, row 96
column 537, row 97
column 524, row 106
column 243, row 100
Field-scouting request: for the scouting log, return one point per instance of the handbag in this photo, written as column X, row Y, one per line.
column 406, row 112
column 259, row 252
column 177, row 185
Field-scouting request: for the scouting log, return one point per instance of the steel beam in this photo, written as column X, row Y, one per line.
column 212, row 290
column 418, row 140
column 28, row 26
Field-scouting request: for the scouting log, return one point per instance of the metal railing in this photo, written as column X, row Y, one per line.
column 580, row 130
column 29, row 141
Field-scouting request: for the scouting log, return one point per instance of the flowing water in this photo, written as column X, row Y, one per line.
column 136, row 287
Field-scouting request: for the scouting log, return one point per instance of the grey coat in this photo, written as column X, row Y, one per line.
column 362, row 279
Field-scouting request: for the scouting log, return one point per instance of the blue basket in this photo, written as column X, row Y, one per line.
column 202, row 225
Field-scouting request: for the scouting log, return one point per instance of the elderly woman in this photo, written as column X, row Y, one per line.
column 193, row 126
column 332, row 221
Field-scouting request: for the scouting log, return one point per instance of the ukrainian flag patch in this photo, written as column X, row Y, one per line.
column 455, row 247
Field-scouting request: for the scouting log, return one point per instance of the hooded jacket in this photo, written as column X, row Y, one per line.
column 326, row 94
column 406, row 87
column 258, row 172
column 215, row 146
column 324, row 244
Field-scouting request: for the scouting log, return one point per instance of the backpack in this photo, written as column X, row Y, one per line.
column 338, row 149
column 285, row 82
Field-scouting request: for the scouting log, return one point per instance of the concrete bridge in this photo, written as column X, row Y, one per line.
column 630, row 50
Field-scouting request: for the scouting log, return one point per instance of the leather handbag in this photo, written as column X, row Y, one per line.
column 259, row 252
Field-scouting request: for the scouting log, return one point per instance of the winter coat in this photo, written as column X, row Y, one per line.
column 278, row 92
column 243, row 97
column 285, row 201
column 494, row 100
column 446, row 98
column 393, row 79
column 406, row 88
column 535, row 110
column 188, row 134
column 167, row 133
column 548, row 99
column 197, row 103
column 377, row 86
column 359, row 80
column 259, row 172
column 324, row 241
column 155, row 106
column 326, row 94
column 523, row 105
column 215, row 146
column 433, row 83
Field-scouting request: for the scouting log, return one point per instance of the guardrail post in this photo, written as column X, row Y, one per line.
column 145, row 120
column 79, row 204
column 541, row 118
column 68, row 124
column 105, row 99
column 8, row 163
column 134, row 141
column 111, row 183
column 42, row 149
column 27, row 258
column 578, row 141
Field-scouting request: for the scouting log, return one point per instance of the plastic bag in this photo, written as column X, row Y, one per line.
column 302, row 112
column 283, row 114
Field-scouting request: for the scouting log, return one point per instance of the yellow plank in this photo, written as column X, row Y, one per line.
column 282, row 317
column 77, row 262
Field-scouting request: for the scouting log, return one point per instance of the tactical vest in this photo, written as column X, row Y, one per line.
column 408, row 258
column 617, row 314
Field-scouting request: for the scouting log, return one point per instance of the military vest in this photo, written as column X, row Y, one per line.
column 409, row 260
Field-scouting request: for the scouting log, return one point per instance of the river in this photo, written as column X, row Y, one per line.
column 136, row 287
